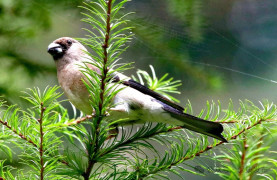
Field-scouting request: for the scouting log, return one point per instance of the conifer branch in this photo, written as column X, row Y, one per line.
column 244, row 149
column 177, row 128
column 256, row 165
column 104, row 74
column 80, row 120
column 41, row 149
column 204, row 150
column 27, row 139
column 17, row 133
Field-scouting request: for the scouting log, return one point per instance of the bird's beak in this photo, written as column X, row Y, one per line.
column 54, row 49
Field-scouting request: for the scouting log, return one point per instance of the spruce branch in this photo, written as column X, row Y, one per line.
column 107, row 43
column 31, row 142
column 101, row 111
column 17, row 133
column 41, row 149
column 160, row 85
column 207, row 148
column 41, row 121
column 79, row 120
column 255, row 166
column 245, row 146
column 163, row 130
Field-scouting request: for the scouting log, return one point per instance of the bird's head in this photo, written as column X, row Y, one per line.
column 66, row 49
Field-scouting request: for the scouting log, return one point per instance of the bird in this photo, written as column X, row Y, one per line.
column 135, row 102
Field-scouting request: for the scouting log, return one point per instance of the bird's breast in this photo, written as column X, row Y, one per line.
column 71, row 81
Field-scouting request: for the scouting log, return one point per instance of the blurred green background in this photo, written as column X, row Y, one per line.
column 221, row 50
column 203, row 43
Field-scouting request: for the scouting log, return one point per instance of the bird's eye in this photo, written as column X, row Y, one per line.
column 69, row 42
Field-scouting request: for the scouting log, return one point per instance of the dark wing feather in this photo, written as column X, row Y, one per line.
column 145, row 90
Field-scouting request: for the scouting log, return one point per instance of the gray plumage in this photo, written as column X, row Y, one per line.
column 135, row 102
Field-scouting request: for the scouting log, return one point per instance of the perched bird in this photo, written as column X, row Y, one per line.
column 135, row 101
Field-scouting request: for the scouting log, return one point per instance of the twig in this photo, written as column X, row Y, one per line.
column 41, row 150
column 105, row 47
column 17, row 133
column 245, row 146
column 78, row 121
column 239, row 121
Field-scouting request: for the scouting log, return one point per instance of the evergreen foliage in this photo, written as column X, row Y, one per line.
column 51, row 145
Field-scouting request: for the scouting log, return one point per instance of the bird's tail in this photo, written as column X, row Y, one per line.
column 193, row 123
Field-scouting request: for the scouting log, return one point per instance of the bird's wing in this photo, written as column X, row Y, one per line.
column 145, row 90
column 141, row 88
